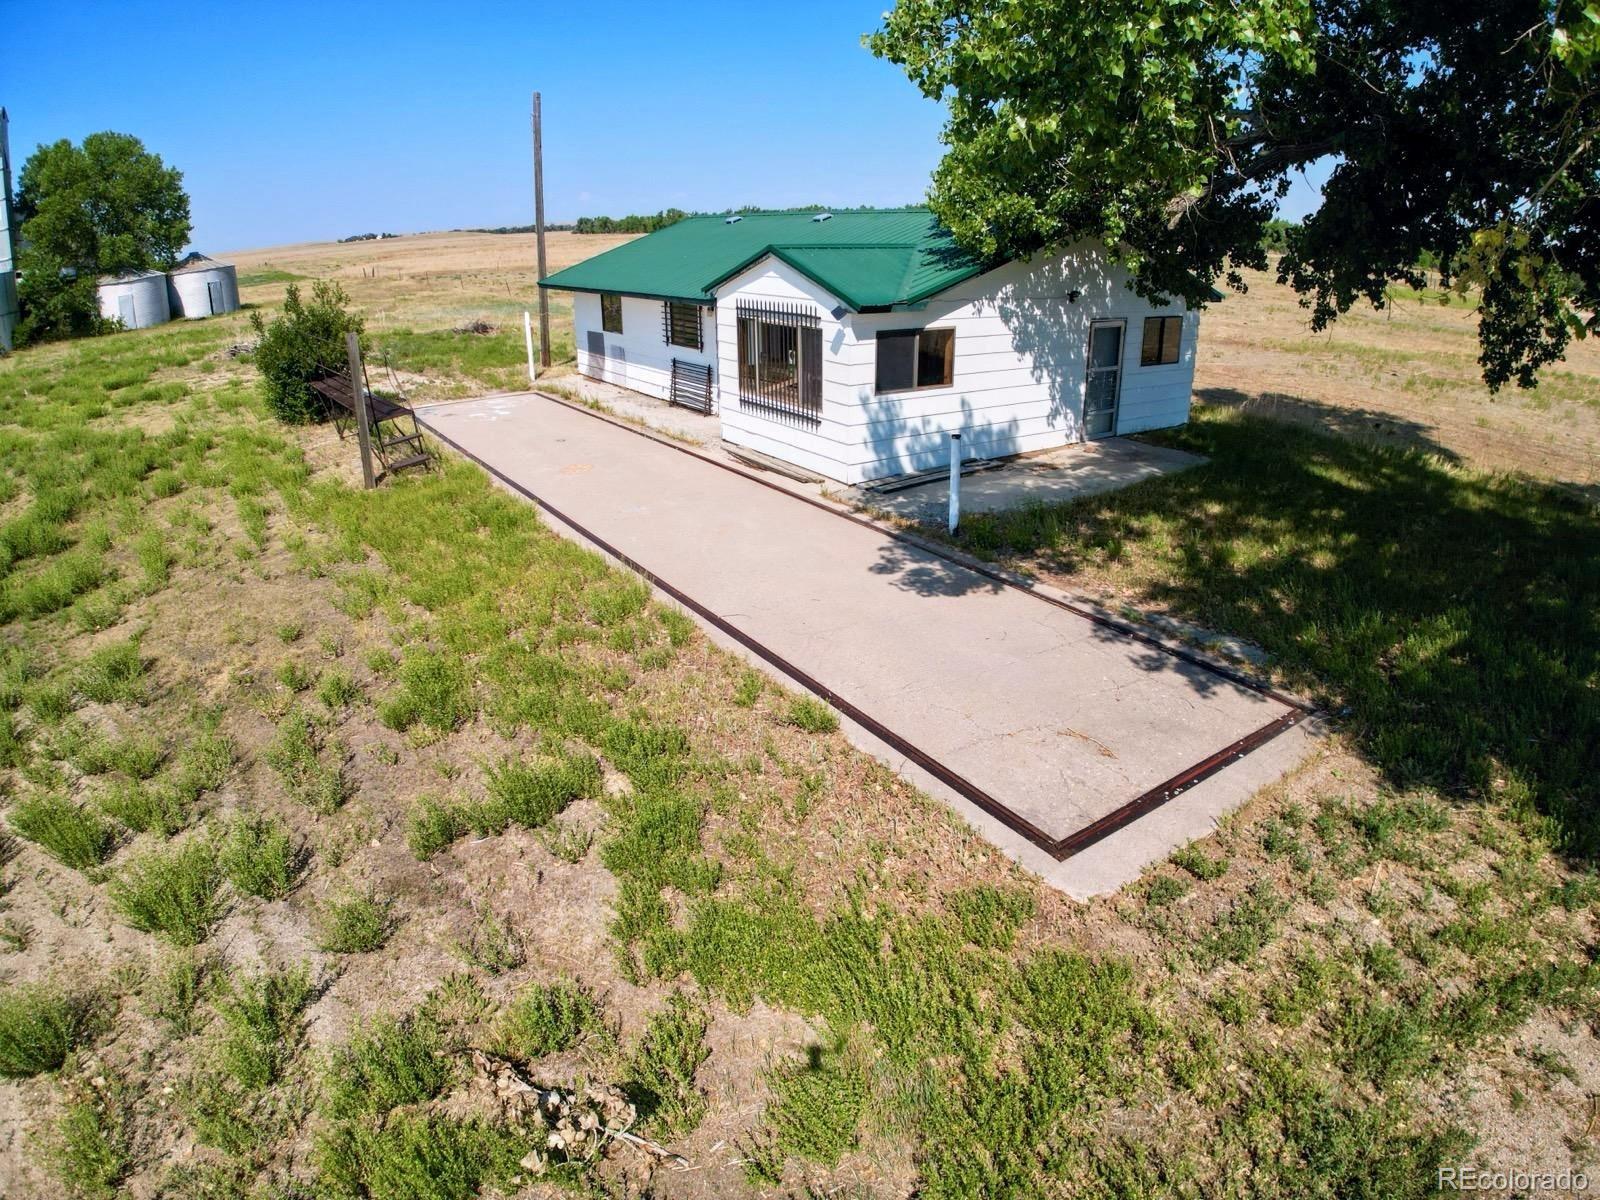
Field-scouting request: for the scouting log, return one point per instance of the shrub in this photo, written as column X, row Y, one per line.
column 662, row 1068
column 69, row 832
column 434, row 824
column 434, row 691
column 425, row 1156
column 531, row 794
column 337, row 690
column 354, row 925
column 260, row 857
column 388, row 1064
column 175, row 990
column 294, row 754
column 90, row 1152
column 39, row 1025
column 113, row 673
column 547, row 1019
column 156, row 806
column 172, row 892
column 261, row 1026
column 299, row 345
column 812, row 715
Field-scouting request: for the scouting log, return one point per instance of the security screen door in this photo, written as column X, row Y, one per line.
column 1104, row 378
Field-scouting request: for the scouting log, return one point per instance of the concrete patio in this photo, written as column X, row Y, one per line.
column 1061, row 720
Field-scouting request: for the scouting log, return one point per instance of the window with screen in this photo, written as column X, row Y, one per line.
column 780, row 360
column 681, row 325
column 611, row 312
column 915, row 358
column 1161, row 338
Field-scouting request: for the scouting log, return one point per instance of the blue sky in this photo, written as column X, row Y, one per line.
column 298, row 122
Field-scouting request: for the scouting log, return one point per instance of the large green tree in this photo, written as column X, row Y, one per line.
column 104, row 206
column 1169, row 129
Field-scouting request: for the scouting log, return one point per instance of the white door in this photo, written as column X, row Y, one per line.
column 125, row 311
column 1103, row 380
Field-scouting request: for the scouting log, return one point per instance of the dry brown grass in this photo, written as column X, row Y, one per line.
column 427, row 280
column 1408, row 375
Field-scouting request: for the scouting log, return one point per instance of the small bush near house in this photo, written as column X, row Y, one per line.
column 172, row 892
column 70, row 833
column 301, row 343
column 39, row 1025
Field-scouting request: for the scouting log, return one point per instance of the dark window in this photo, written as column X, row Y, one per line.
column 916, row 358
column 611, row 312
column 780, row 360
column 1161, row 338
column 681, row 325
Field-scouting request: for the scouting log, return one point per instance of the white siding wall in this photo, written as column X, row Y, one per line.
column 638, row 357
column 831, row 447
column 1018, row 375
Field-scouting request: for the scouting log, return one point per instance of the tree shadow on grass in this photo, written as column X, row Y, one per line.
column 1456, row 615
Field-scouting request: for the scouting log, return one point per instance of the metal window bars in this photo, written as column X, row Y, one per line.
column 680, row 325
column 780, row 360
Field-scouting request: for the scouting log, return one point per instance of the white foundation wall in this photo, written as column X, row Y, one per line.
column 1018, row 372
column 829, row 447
column 638, row 357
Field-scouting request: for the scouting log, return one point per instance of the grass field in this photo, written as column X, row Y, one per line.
column 325, row 806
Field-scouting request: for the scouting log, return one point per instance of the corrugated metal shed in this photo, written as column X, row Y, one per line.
column 8, row 262
column 871, row 259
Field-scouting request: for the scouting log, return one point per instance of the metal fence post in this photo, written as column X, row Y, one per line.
column 358, row 393
column 527, row 336
column 955, row 481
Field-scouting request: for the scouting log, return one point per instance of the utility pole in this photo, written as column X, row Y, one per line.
column 538, row 227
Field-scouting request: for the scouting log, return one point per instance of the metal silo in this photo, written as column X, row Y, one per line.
column 8, row 260
column 202, row 287
column 136, row 298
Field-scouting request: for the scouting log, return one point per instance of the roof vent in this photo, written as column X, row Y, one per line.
column 823, row 217
column 731, row 220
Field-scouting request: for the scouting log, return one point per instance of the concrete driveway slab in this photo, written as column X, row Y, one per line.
column 1051, row 724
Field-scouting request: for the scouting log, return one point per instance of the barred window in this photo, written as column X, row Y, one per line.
column 681, row 325
column 611, row 312
column 780, row 360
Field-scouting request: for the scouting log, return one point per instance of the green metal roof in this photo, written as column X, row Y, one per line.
column 871, row 259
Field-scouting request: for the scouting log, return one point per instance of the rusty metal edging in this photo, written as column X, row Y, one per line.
column 1058, row 848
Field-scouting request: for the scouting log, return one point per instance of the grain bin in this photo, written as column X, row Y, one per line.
column 202, row 287
column 136, row 298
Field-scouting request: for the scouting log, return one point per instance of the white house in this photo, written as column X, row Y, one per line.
column 851, row 344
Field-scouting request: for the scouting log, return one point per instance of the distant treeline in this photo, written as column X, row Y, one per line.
column 650, row 222
column 368, row 237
